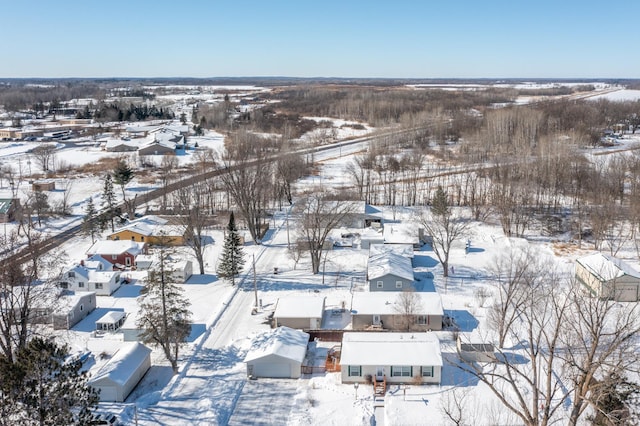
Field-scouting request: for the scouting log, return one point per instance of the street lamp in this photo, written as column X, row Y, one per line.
column 355, row 386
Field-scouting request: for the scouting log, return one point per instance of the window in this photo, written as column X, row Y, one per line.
column 114, row 257
column 64, row 285
column 80, row 284
column 127, row 261
column 81, row 308
column 141, row 238
column 427, row 371
column 133, row 238
column 380, row 284
column 402, row 371
column 355, row 371
column 422, row 319
column 99, row 286
column 72, row 274
column 398, row 284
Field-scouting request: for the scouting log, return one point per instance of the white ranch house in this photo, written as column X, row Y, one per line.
column 393, row 358
column 383, row 310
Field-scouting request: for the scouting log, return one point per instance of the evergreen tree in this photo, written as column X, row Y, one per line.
column 165, row 317
column 232, row 258
column 90, row 223
column 42, row 387
column 122, row 175
column 109, row 198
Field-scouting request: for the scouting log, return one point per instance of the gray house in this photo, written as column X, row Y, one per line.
column 70, row 309
column 385, row 311
column 389, row 272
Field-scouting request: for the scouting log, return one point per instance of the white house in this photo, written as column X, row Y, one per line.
column 278, row 353
column 82, row 278
column 70, row 309
column 390, row 358
column 385, row 310
column 118, row 377
column 608, row 277
column 389, row 272
column 300, row 312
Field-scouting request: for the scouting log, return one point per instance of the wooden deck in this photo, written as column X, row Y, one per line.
column 332, row 363
column 380, row 386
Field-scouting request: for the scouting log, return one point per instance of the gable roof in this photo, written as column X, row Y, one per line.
column 400, row 233
column 284, row 342
column 386, row 303
column 405, row 250
column 299, row 307
column 5, row 205
column 387, row 348
column 384, row 264
column 606, row 267
column 123, row 364
column 110, row 247
column 146, row 225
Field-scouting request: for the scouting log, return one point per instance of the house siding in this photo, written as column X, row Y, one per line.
column 371, row 370
column 389, row 283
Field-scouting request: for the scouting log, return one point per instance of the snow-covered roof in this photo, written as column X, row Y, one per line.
column 109, row 247
column 68, row 302
column 405, row 250
column 300, row 307
column 144, row 226
column 390, row 264
column 123, row 364
column 115, row 143
column 284, row 342
column 101, row 276
column 165, row 143
column 387, row 348
column 607, row 267
column 111, row 317
column 97, row 262
column 387, row 303
column 400, row 233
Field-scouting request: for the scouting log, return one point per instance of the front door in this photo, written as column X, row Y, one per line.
column 376, row 320
column 379, row 373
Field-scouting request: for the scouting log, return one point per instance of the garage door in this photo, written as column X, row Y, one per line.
column 108, row 393
column 626, row 293
column 272, row 370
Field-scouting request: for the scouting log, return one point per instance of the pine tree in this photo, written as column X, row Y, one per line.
column 109, row 198
column 232, row 259
column 42, row 387
column 165, row 317
column 90, row 223
column 122, row 175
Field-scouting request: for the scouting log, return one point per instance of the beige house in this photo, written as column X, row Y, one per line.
column 399, row 311
column 607, row 277
column 299, row 312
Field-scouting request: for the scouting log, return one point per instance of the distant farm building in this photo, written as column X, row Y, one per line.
column 607, row 277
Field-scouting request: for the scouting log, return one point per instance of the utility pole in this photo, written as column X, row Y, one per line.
column 255, row 284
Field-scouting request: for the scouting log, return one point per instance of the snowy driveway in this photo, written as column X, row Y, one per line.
column 264, row 402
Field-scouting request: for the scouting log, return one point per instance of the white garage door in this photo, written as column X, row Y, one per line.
column 108, row 393
column 272, row 370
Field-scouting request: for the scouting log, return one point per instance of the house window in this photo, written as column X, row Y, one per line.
column 355, row 371
column 64, row 285
column 72, row 274
column 133, row 238
column 80, row 284
column 127, row 261
column 427, row 371
column 141, row 238
column 114, row 257
column 398, row 284
column 81, row 308
column 422, row 319
column 99, row 286
column 380, row 284
column 401, row 371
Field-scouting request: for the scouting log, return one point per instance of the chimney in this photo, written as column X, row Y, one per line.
column 82, row 262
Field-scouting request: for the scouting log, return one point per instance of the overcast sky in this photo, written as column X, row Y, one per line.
column 323, row 38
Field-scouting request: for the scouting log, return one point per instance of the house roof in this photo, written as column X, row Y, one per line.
column 300, row 307
column 67, row 302
column 390, row 264
column 386, row 348
column 284, row 342
column 5, row 205
column 111, row 317
column 110, row 247
column 123, row 364
column 101, row 276
column 98, row 263
column 145, row 225
column 405, row 250
column 400, row 233
column 607, row 267
column 386, row 303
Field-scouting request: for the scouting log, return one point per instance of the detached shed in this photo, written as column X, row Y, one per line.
column 121, row 374
column 301, row 312
column 474, row 348
column 607, row 277
column 277, row 354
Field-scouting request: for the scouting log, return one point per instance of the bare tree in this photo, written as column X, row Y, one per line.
column 318, row 216
column 189, row 203
column 443, row 226
column 407, row 305
column 43, row 155
column 454, row 405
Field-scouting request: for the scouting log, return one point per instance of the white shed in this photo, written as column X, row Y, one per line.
column 278, row 354
column 118, row 377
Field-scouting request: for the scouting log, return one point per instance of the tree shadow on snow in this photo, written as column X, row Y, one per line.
column 88, row 324
column 462, row 319
column 197, row 279
column 455, row 372
column 424, row 261
column 196, row 331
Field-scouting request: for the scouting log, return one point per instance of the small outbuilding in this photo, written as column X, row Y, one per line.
column 118, row 377
column 474, row 348
column 277, row 354
column 111, row 321
column 607, row 277
column 300, row 312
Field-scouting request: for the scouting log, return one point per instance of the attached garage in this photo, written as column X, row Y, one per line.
column 277, row 354
column 118, row 377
